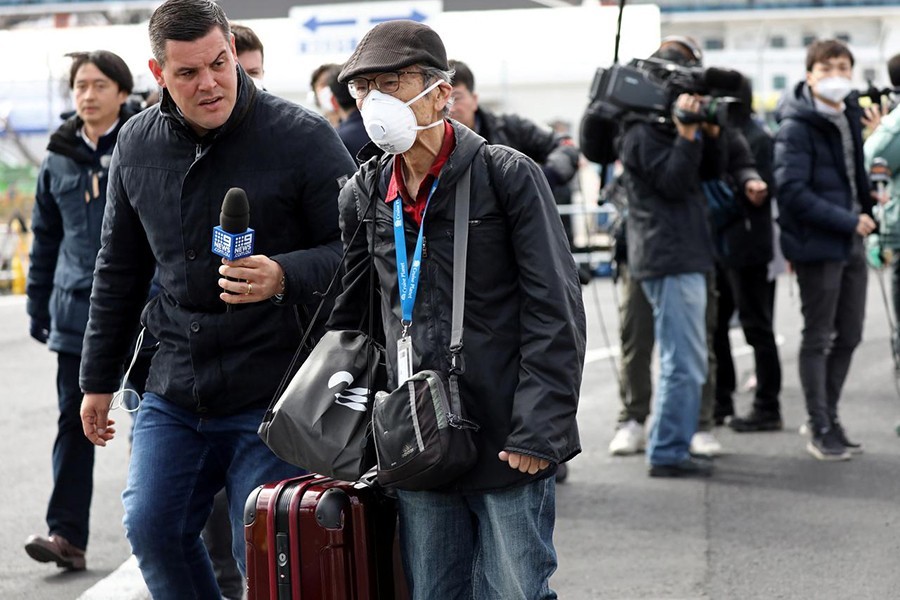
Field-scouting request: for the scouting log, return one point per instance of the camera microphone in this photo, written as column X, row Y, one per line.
column 233, row 238
column 725, row 80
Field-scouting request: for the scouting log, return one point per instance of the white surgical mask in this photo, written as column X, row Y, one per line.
column 258, row 83
column 391, row 123
column 834, row 89
column 324, row 96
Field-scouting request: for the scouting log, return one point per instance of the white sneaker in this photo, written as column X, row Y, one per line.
column 629, row 439
column 704, row 443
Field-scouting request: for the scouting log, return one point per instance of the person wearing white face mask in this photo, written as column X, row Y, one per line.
column 487, row 534
column 825, row 213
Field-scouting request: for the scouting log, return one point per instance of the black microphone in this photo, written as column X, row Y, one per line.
column 233, row 238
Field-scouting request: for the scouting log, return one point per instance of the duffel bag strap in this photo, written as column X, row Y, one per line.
column 460, row 250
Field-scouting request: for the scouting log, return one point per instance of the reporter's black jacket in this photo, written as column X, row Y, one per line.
column 165, row 193
column 668, row 230
column 524, row 337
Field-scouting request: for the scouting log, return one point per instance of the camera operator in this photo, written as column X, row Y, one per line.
column 724, row 164
column 670, row 254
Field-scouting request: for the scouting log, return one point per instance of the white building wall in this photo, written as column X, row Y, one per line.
column 750, row 41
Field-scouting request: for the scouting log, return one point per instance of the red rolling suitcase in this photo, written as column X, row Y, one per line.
column 313, row 537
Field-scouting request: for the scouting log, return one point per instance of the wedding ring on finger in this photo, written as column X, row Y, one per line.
column 249, row 288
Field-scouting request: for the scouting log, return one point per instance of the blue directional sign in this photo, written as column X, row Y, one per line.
column 335, row 29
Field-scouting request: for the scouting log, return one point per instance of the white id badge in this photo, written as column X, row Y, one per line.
column 404, row 359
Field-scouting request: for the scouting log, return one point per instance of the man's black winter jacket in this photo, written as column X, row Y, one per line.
column 815, row 199
column 524, row 334
column 165, row 194
column 668, row 229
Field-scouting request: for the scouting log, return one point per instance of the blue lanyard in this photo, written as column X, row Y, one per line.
column 408, row 277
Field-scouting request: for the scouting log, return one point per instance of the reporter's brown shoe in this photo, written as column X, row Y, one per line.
column 56, row 549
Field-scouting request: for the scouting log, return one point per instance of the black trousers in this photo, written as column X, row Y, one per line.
column 749, row 290
column 833, row 299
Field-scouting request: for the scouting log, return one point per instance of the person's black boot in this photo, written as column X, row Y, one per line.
column 756, row 421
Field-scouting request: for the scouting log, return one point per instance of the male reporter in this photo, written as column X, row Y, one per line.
column 215, row 370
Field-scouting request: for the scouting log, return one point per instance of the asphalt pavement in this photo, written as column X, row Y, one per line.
column 771, row 523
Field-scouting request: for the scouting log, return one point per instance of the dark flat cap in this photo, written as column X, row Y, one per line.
column 393, row 45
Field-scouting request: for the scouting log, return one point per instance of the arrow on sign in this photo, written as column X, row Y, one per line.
column 413, row 16
column 313, row 23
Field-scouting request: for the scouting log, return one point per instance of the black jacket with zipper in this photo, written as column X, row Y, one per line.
column 524, row 324
column 166, row 187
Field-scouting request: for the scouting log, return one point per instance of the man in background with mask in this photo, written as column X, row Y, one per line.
column 321, row 92
column 489, row 533
column 826, row 206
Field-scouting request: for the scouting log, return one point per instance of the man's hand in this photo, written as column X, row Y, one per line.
column 865, row 226
column 688, row 103
column 260, row 277
column 39, row 330
column 523, row 462
column 95, row 421
column 756, row 191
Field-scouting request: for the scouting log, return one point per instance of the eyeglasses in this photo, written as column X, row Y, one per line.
column 387, row 83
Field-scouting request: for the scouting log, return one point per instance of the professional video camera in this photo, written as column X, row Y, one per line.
column 645, row 90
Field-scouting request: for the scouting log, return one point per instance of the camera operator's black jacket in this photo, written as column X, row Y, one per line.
column 817, row 217
column 524, row 338
column 166, row 187
column 668, row 230
column 553, row 152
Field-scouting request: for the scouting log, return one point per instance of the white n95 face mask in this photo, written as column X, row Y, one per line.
column 834, row 89
column 390, row 122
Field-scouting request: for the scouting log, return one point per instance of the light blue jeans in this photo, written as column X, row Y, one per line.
column 679, row 316
column 178, row 463
column 480, row 546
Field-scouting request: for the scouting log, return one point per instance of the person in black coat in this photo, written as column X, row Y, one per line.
column 825, row 214
column 487, row 533
column 556, row 153
column 746, row 248
column 68, row 211
column 224, row 343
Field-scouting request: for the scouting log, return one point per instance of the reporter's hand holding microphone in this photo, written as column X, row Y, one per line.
column 246, row 277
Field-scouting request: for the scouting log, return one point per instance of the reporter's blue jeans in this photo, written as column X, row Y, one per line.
column 179, row 461
column 479, row 546
column 679, row 316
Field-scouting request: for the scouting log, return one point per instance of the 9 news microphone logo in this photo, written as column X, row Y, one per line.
column 232, row 246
